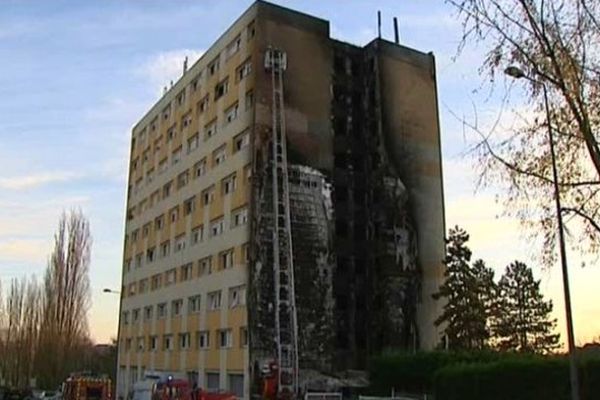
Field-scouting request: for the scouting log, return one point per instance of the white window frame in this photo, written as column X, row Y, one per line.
column 197, row 235
column 226, row 259
column 161, row 310
column 203, row 344
column 225, row 337
column 200, row 168
column 180, row 243
column 239, row 217
column 184, row 341
column 229, row 184
column 187, row 272
column 176, row 308
column 194, row 304
column 237, row 296
column 214, row 300
column 168, row 342
column 205, row 266
column 231, row 113
column 210, row 129
column 219, row 155
column 193, row 143
column 217, row 227
column 241, row 141
column 176, row 156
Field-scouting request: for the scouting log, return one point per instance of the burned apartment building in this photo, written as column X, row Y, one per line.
column 297, row 171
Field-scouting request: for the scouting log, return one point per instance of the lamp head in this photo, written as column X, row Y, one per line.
column 515, row 72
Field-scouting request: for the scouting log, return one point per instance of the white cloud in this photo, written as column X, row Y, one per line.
column 168, row 66
column 38, row 179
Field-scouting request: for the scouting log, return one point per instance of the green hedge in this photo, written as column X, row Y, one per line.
column 526, row 379
column 415, row 372
column 482, row 375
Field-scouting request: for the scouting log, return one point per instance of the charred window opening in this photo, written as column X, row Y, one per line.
column 341, row 194
column 341, row 160
column 341, row 228
column 340, row 126
column 339, row 64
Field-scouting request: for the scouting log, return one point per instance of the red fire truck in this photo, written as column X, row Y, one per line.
column 86, row 387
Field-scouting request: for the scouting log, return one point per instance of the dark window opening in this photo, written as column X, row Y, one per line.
column 341, row 228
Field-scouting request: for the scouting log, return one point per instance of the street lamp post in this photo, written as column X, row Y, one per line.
column 517, row 73
column 118, row 370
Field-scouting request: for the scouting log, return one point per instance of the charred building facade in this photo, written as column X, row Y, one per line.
column 365, row 192
column 285, row 205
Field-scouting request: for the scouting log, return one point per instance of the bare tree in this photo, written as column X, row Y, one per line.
column 21, row 329
column 3, row 337
column 66, row 300
column 557, row 44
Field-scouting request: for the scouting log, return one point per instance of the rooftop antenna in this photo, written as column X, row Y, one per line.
column 396, row 34
column 379, row 24
column 185, row 65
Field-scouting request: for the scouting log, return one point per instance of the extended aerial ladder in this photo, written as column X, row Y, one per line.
column 283, row 264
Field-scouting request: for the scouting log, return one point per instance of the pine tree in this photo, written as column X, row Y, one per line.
column 524, row 323
column 466, row 291
column 485, row 291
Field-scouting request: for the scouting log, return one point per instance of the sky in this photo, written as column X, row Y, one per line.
column 76, row 76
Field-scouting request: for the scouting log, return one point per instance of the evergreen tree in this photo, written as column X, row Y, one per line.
column 466, row 292
column 485, row 304
column 524, row 323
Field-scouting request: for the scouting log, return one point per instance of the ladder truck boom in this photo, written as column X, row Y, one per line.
column 283, row 264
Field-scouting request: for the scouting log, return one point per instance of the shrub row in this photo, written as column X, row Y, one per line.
column 482, row 375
